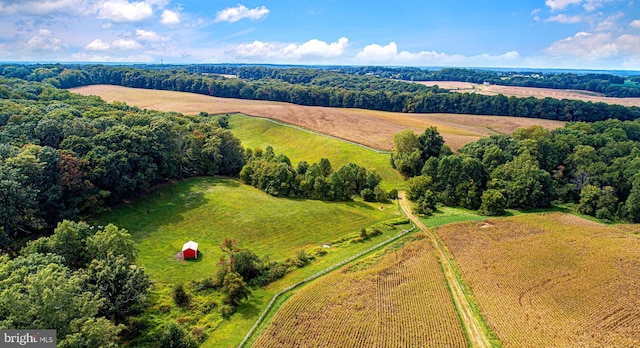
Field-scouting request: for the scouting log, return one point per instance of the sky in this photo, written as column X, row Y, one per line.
column 571, row 34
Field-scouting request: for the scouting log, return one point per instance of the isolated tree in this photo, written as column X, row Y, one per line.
column 234, row 289
column 176, row 337
column 180, row 296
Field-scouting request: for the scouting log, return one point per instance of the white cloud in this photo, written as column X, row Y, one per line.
column 126, row 44
column 97, row 45
column 292, row 52
column 147, row 35
column 592, row 5
column 170, row 18
column 562, row 18
column 585, row 45
column 557, row 5
column 234, row 14
column 45, row 41
column 389, row 54
column 42, row 7
column 317, row 48
column 635, row 24
column 535, row 14
column 629, row 44
column 123, row 11
column 257, row 49
column 610, row 23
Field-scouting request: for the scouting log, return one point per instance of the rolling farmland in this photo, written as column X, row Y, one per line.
column 551, row 279
column 401, row 301
column 524, row 92
column 367, row 127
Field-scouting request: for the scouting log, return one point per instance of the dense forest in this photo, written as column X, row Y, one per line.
column 593, row 166
column 324, row 88
column 63, row 156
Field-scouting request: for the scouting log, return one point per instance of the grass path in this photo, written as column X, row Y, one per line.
column 474, row 327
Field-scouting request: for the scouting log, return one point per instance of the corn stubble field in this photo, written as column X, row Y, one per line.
column 552, row 280
column 400, row 301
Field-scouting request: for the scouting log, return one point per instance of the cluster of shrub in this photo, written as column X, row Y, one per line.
column 594, row 166
column 275, row 175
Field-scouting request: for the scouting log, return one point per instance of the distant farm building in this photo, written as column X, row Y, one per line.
column 190, row 250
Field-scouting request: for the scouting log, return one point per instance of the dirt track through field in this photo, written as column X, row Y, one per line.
column 473, row 326
column 367, row 127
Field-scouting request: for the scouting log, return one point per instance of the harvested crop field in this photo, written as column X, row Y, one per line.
column 524, row 92
column 367, row 127
column 551, row 279
column 402, row 301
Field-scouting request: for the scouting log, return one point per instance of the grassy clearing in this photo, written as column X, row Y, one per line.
column 301, row 145
column 208, row 210
column 448, row 215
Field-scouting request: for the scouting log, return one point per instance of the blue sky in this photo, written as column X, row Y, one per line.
column 579, row 34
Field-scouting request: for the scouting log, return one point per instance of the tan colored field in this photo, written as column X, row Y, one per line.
column 552, row 279
column 367, row 127
column 524, row 92
column 402, row 301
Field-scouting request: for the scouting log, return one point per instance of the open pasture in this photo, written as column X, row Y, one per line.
column 367, row 127
column 400, row 301
column 524, row 92
column 551, row 279
column 299, row 144
column 207, row 210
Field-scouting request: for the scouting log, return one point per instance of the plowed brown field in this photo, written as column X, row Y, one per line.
column 367, row 127
column 524, row 92
column 551, row 279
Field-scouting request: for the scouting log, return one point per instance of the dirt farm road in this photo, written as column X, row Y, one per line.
column 472, row 325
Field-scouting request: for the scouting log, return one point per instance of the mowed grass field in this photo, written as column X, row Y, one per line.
column 208, row 210
column 399, row 299
column 367, row 127
column 552, row 279
column 300, row 145
column 524, row 92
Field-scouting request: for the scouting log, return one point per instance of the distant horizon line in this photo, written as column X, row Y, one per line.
column 26, row 62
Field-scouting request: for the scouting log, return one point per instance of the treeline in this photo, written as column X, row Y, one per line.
column 77, row 281
column 595, row 166
column 275, row 175
column 63, row 155
column 610, row 85
column 432, row 101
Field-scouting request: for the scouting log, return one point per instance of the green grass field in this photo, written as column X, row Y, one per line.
column 301, row 145
column 207, row 210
